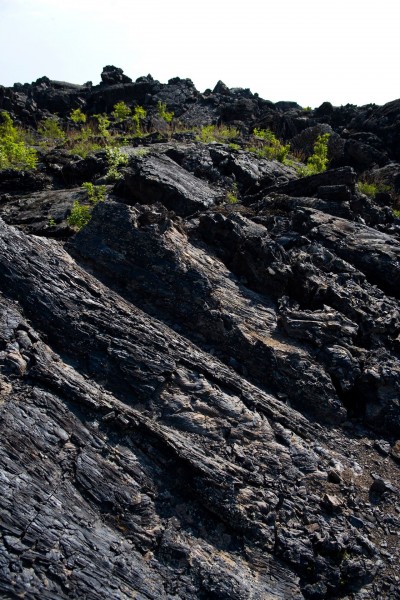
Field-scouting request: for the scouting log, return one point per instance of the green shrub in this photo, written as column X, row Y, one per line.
column 318, row 162
column 103, row 123
column 14, row 152
column 116, row 159
column 163, row 112
column 139, row 114
column 51, row 131
column 77, row 116
column 81, row 213
column 396, row 213
column 267, row 145
column 80, row 216
column 121, row 112
column 95, row 193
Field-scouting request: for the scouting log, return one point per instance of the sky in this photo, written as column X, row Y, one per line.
column 307, row 51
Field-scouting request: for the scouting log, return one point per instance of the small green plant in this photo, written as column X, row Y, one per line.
column 51, row 131
column 95, row 193
column 51, row 222
column 232, row 195
column 14, row 152
column 267, row 145
column 216, row 133
column 139, row 114
column 77, row 116
column 121, row 112
column 369, row 189
column 163, row 112
column 318, row 161
column 396, row 213
column 116, row 159
column 233, row 146
column 81, row 213
column 80, row 216
column 103, row 123
column 307, row 108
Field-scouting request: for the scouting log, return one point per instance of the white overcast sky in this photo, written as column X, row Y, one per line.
column 309, row 51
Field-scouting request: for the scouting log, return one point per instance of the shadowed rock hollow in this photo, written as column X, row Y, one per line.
column 201, row 399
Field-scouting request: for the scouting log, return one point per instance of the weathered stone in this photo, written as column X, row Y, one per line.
column 156, row 178
column 332, row 503
column 383, row 447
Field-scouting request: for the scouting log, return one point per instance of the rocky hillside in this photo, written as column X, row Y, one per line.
column 199, row 347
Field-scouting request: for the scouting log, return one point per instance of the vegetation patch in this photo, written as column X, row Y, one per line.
column 121, row 112
column 232, row 195
column 163, row 112
column 265, row 144
column 95, row 193
column 318, row 161
column 51, row 133
column 139, row 114
column 116, row 160
column 80, row 216
column 81, row 213
column 216, row 133
column 14, row 152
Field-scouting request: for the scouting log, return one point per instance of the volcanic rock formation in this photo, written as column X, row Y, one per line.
column 200, row 399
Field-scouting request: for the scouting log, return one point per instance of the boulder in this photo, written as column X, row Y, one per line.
column 112, row 75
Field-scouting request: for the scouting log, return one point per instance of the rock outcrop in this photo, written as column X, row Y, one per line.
column 200, row 399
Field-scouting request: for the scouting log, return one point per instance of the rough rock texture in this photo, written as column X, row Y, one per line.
column 157, row 178
column 198, row 399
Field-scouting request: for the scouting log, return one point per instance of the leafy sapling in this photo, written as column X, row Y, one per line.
column 77, row 116
column 121, row 112
column 95, row 193
column 82, row 213
column 138, row 115
column 318, row 162
column 163, row 112
column 103, row 123
column 116, row 159
column 80, row 216
column 14, row 152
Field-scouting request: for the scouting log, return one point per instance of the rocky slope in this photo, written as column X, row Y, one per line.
column 200, row 399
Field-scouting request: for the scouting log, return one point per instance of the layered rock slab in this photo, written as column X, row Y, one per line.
column 151, row 260
column 183, row 447
column 157, row 178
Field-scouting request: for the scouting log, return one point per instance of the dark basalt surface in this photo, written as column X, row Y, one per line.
column 200, row 400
